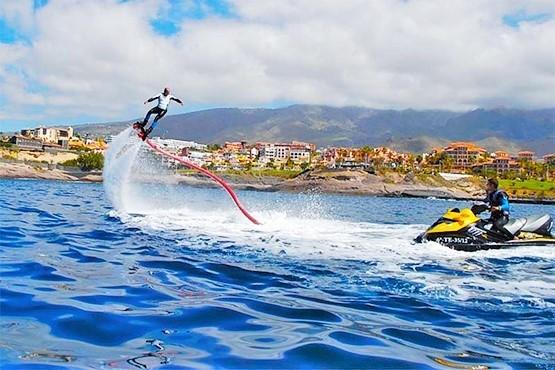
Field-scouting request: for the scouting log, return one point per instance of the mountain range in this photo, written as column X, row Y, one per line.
column 405, row 130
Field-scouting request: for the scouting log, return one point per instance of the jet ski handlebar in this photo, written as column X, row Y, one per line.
column 479, row 208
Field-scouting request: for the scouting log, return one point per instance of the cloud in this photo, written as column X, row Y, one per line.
column 102, row 58
column 18, row 13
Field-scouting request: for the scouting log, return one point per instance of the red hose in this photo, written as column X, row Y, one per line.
column 207, row 173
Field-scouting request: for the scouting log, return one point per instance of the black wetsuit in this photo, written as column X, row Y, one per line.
column 499, row 218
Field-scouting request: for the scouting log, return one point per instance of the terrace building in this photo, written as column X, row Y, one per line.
column 500, row 164
column 526, row 155
column 464, row 154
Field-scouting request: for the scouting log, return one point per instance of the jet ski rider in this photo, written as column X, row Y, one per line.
column 498, row 201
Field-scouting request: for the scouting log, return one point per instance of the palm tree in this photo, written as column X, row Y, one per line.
column 366, row 150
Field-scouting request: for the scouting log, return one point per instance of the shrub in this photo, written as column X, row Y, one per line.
column 87, row 161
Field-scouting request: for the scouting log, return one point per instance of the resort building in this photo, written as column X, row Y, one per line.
column 176, row 145
column 300, row 154
column 310, row 146
column 463, row 154
column 296, row 151
column 235, row 146
column 526, row 155
column 501, row 163
column 549, row 158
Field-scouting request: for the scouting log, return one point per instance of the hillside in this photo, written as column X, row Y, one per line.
column 408, row 130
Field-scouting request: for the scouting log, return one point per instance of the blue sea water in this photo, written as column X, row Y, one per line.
column 327, row 282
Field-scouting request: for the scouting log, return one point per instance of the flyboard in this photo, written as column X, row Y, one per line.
column 204, row 171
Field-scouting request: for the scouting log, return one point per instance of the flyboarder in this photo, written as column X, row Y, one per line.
column 160, row 110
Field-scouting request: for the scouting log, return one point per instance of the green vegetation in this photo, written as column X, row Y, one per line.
column 527, row 184
column 270, row 172
column 187, row 172
column 87, row 161
column 213, row 147
column 284, row 174
column 528, row 188
column 4, row 144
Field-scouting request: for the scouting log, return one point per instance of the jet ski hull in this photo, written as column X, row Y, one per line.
column 471, row 244
column 464, row 231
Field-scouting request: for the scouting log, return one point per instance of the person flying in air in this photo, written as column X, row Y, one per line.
column 160, row 110
column 498, row 201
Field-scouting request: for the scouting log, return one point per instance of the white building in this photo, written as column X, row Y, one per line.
column 52, row 135
column 299, row 154
column 283, row 152
column 177, row 145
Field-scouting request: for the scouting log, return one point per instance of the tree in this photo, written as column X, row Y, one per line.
column 271, row 164
column 366, row 151
column 213, row 147
column 90, row 161
column 289, row 163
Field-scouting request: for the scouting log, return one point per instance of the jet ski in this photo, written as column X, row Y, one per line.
column 463, row 230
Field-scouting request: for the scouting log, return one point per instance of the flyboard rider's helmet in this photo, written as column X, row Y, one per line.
column 166, row 90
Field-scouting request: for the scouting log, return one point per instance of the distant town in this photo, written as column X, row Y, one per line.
column 63, row 147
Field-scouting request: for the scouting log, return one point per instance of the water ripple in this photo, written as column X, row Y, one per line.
column 82, row 287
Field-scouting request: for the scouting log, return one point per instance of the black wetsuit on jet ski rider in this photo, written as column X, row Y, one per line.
column 498, row 201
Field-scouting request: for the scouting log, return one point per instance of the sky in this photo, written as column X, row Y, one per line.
column 76, row 61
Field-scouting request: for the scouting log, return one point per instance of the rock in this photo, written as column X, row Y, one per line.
column 92, row 178
column 22, row 170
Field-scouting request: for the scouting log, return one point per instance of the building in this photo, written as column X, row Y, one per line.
column 51, row 135
column 52, row 147
column 463, row 154
column 310, row 146
column 549, row 159
column 27, row 143
column 296, row 151
column 526, row 155
column 283, row 151
column 500, row 154
column 500, row 164
column 235, row 146
column 176, row 145
column 299, row 153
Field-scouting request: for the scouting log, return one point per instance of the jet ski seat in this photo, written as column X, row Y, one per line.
column 515, row 225
column 542, row 225
column 539, row 224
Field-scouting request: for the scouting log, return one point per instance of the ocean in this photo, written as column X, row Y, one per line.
column 137, row 274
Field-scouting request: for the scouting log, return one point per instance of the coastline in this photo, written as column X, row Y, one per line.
column 40, row 171
column 324, row 181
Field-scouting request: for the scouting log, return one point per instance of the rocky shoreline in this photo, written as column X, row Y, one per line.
column 356, row 183
column 324, row 181
column 27, row 171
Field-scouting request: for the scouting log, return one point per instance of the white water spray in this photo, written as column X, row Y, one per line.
column 295, row 225
column 118, row 163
